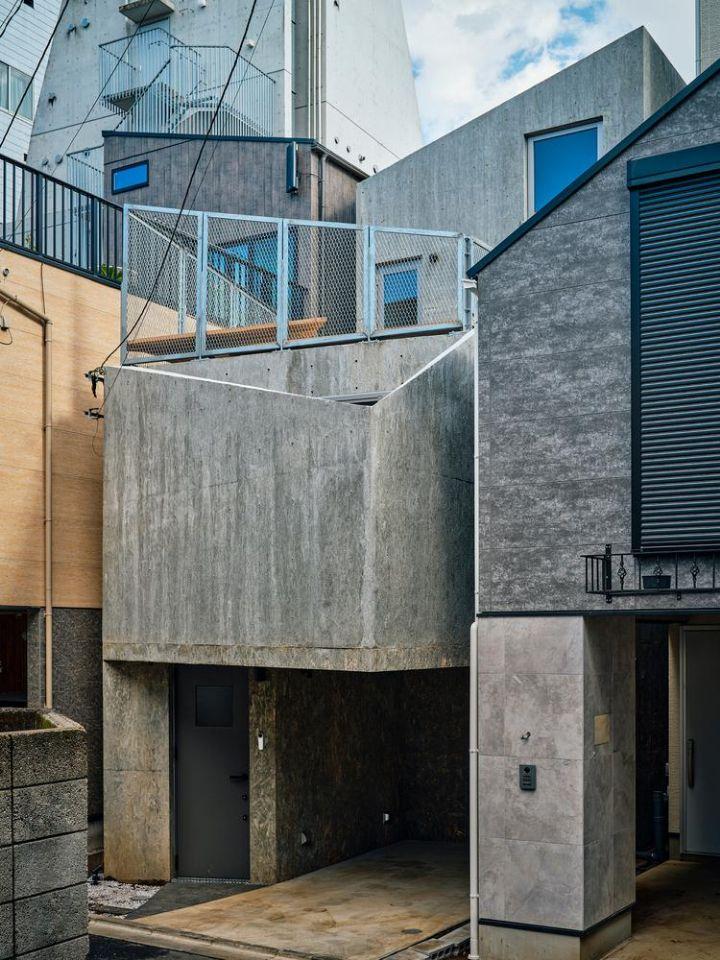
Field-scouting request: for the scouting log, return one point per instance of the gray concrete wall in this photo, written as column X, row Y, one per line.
column 77, row 681
column 335, row 370
column 474, row 179
column 562, row 856
column 43, row 836
column 555, row 389
column 268, row 529
column 234, row 176
column 708, row 33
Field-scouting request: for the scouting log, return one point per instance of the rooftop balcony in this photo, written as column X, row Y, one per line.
column 161, row 85
column 232, row 284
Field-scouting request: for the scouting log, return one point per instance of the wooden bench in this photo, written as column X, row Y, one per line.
column 226, row 338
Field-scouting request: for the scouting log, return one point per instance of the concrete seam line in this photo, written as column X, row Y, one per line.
column 129, row 931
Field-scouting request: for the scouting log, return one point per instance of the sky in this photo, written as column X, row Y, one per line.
column 470, row 55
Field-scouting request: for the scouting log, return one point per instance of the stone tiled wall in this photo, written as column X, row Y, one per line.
column 563, row 855
column 555, row 389
column 43, row 836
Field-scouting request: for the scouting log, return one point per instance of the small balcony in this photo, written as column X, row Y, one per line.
column 213, row 284
column 160, row 85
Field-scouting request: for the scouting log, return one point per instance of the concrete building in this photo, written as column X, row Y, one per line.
column 596, row 488
column 707, row 33
column 26, row 28
column 313, row 69
column 488, row 176
column 261, row 177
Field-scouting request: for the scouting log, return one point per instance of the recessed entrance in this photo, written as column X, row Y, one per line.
column 212, row 773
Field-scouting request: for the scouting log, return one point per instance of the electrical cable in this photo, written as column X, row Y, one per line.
column 34, row 73
column 120, row 60
column 182, row 209
column 239, row 87
column 10, row 17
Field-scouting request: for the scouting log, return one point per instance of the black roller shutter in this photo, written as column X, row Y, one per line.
column 676, row 362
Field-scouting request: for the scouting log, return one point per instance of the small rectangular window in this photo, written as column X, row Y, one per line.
column 557, row 158
column 4, row 86
column 213, row 706
column 20, row 93
column 131, row 177
column 399, row 294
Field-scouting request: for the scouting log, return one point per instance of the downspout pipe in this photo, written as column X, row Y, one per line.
column 474, row 690
column 46, row 324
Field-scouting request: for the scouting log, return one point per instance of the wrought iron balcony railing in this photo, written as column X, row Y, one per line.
column 634, row 575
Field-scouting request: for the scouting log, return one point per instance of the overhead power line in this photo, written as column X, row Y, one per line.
column 35, row 71
column 10, row 17
column 182, row 209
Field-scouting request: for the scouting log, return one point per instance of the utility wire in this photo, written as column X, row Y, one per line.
column 235, row 96
column 120, row 59
column 10, row 17
column 34, row 73
column 181, row 211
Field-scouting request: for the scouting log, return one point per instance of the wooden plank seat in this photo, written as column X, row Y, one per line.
column 226, row 338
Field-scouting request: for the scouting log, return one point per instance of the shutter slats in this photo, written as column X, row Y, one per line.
column 678, row 227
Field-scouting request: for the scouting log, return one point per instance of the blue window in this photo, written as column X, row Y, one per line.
column 400, row 283
column 556, row 159
column 131, row 177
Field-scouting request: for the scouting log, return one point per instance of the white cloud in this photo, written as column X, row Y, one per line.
column 471, row 55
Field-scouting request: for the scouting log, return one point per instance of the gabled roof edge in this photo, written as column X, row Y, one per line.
column 680, row 97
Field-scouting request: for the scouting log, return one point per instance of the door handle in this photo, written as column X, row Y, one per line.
column 691, row 763
column 238, row 777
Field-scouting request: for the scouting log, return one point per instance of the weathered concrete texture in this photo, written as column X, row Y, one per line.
column 77, row 680
column 43, row 836
column 563, row 855
column 361, row 909
column 287, row 530
column 436, row 187
column 554, row 404
column 334, row 370
column 708, row 33
column 137, row 771
column 235, row 176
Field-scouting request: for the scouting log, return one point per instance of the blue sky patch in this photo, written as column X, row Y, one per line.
column 520, row 59
column 588, row 11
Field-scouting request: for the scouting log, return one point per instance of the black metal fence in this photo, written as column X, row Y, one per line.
column 59, row 222
column 636, row 575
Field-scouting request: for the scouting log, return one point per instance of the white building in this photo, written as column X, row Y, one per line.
column 25, row 26
column 334, row 71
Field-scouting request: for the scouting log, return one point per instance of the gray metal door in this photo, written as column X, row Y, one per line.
column 702, row 742
column 212, row 772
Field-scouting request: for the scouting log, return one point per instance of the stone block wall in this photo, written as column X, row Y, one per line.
column 43, row 836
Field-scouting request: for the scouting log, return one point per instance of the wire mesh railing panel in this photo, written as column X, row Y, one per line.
column 243, row 283
column 160, row 284
column 59, row 222
column 416, row 279
column 325, row 270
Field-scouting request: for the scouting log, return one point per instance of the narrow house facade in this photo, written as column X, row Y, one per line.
column 596, row 487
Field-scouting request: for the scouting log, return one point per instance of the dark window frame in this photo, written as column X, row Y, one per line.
column 678, row 165
column 130, row 166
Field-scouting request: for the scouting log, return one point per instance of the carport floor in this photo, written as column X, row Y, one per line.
column 677, row 914
column 361, row 909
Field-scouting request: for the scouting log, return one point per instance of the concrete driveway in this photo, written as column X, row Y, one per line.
column 372, row 906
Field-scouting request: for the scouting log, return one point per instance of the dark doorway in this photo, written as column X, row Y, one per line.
column 13, row 659
column 652, row 735
column 212, row 773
